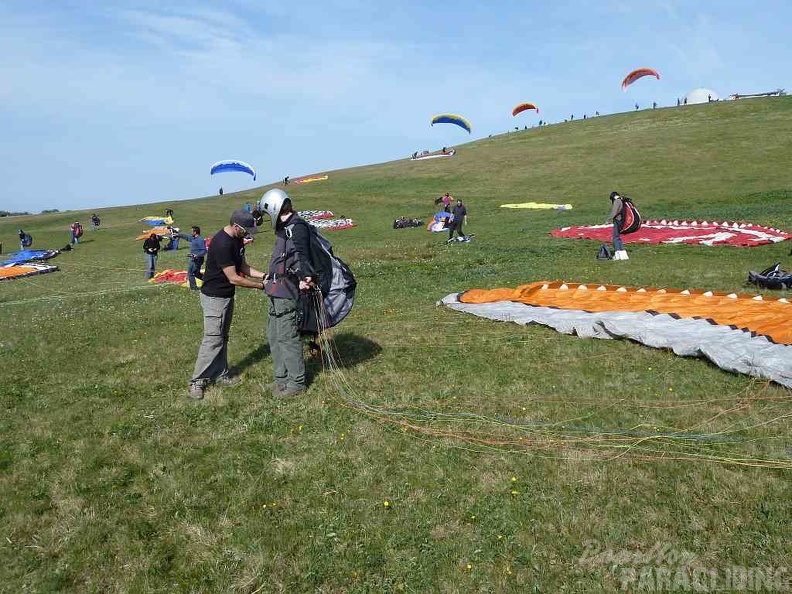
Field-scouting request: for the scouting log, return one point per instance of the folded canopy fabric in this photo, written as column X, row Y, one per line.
column 749, row 334
column 28, row 256
column 309, row 215
column 333, row 224
column 538, row 206
column 156, row 220
column 25, row 270
column 159, row 231
column 170, row 275
column 309, row 179
column 680, row 231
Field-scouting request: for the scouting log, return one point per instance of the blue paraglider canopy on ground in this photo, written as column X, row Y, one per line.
column 28, row 256
column 440, row 222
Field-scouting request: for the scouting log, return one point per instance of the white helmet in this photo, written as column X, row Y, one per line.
column 272, row 203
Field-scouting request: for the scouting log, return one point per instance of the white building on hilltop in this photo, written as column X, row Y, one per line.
column 701, row 96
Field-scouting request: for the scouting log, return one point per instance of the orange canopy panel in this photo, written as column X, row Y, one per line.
column 761, row 315
column 23, row 270
column 155, row 230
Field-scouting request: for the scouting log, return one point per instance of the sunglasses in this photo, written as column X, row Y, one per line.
column 241, row 227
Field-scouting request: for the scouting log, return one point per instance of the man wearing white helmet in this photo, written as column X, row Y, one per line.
column 290, row 272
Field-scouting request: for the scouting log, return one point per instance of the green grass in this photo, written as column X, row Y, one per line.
column 111, row 481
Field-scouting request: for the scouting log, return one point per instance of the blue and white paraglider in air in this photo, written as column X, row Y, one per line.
column 232, row 165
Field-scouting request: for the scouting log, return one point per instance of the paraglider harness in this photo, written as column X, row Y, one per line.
column 771, row 278
column 405, row 223
column 332, row 297
column 78, row 230
column 26, row 240
column 630, row 218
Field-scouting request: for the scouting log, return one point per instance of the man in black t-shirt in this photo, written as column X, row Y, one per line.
column 460, row 217
column 226, row 269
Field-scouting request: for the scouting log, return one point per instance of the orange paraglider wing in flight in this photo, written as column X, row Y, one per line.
column 523, row 107
column 636, row 74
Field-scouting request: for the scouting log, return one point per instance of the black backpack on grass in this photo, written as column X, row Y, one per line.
column 604, row 253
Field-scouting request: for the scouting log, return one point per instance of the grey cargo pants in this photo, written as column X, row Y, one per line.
column 212, row 359
column 285, row 344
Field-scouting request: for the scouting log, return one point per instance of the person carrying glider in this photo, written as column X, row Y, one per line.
column 196, row 256
column 151, row 248
column 446, row 201
column 616, row 217
column 75, row 232
column 226, row 269
column 25, row 240
column 290, row 272
column 459, row 216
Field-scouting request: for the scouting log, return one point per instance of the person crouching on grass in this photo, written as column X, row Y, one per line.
column 225, row 265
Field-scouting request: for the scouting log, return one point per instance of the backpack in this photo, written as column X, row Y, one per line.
column 631, row 218
column 335, row 282
column 78, row 230
column 604, row 253
column 27, row 241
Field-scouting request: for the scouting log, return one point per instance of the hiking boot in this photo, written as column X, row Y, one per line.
column 290, row 391
column 196, row 391
column 276, row 388
column 228, row 381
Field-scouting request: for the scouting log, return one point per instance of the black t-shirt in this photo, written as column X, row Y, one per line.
column 224, row 251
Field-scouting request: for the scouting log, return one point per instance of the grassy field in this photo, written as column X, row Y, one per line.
column 438, row 458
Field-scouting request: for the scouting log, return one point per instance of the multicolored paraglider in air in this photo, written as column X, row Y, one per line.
column 232, row 165
column 636, row 74
column 521, row 107
column 451, row 118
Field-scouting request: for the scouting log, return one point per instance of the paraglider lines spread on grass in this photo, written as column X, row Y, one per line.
column 568, row 438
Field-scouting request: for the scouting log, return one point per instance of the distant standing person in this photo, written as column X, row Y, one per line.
column 616, row 217
column 151, row 248
column 23, row 240
column 220, row 191
column 94, row 222
column 75, row 232
column 226, row 269
column 195, row 258
column 286, row 181
column 459, row 217
column 447, row 200
column 247, row 207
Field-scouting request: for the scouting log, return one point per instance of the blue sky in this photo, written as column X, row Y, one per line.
column 115, row 103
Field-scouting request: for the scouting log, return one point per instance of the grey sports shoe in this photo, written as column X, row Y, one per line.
column 291, row 391
column 276, row 389
column 196, row 391
column 228, row 381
